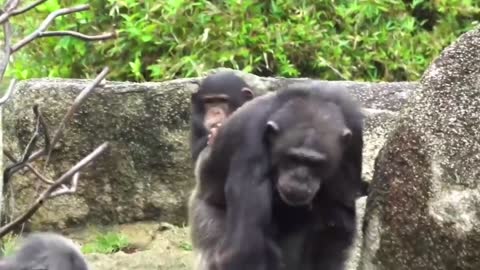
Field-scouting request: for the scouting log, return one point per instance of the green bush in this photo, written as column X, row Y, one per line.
column 387, row 40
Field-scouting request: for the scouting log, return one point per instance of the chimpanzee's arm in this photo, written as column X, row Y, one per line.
column 197, row 147
column 198, row 136
column 248, row 191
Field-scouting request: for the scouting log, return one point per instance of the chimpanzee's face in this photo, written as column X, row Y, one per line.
column 305, row 155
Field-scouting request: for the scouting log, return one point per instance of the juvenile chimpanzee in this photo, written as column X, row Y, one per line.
column 217, row 97
column 48, row 251
column 277, row 188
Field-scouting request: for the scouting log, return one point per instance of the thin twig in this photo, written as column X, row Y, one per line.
column 7, row 39
column 43, row 126
column 33, row 141
column 76, row 104
column 9, row 92
column 5, row 16
column 336, row 71
column 27, row 8
column 77, row 35
column 28, row 149
column 67, row 190
column 47, row 193
column 43, row 178
column 46, row 23
column 11, row 5
column 71, row 111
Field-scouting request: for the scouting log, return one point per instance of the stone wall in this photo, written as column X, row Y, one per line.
column 146, row 173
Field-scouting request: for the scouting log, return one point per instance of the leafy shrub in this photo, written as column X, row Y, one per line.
column 388, row 40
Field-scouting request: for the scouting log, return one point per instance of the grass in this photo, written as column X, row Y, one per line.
column 106, row 244
column 9, row 243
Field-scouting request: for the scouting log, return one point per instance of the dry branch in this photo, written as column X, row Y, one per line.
column 43, row 125
column 27, row 8
column 76, row 35
column 9, row 92
column 58, row 187
column 29, row 166
column 40, row 32
column 7, row 33
column 59, row 131
column 11, row 5
column 62, row 180
column 39, row 126
column 67, row 190
column 76, row 104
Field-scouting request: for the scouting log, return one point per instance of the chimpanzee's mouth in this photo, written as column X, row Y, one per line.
column 296, row 197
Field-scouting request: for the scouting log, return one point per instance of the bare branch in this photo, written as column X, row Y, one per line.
column 46, row 23
column 58, row 187
column 10, row 13
column 77, row 35
column 47, row 193
column 7, row 32
column 9, row 92
column 27, row 8
column 80, row 98
column 76, row 104
column 28, row 149
column 33, row 141
column 30, row 167
column 66, row 190
column 11, row 5
column 43, row 125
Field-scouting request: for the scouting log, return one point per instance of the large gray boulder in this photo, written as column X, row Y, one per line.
column 424, row 209
column 146, row 174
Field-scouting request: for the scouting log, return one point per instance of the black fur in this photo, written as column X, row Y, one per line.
column 47, row 251
column 237, row 181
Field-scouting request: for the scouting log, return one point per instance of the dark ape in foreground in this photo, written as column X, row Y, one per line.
column 277, row 189
column 218, row 96
column 46, row 251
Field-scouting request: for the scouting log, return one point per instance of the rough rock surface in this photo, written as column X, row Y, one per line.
column 146, row 173
column 424, row 209
column 143, row 175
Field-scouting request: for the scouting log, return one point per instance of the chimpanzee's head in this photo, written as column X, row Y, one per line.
column 218, row 96
column 307, row 139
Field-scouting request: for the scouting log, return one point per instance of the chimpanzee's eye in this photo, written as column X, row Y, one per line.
column 313, row 163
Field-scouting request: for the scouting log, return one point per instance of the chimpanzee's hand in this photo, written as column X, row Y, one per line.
column 253, row 257
column 213, row 133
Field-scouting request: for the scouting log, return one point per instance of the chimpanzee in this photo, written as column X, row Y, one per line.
column 217, row 97
column 47, row 251
column 277, row 187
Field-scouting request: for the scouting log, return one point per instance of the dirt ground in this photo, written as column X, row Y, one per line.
column 151, row 246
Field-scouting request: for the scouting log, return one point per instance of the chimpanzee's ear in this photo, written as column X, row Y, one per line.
column 194, row 95
column 346, row 136
column 272, row 127
column 247, row 93
column 271, row 130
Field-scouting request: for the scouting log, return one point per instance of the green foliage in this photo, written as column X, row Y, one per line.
column 186, row 246
column 9, row 244
column 388, row 40
column 106, row 243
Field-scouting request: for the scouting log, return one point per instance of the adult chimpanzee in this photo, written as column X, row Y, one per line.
column 47, row 251
column 277, row 188
column 217, row 97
